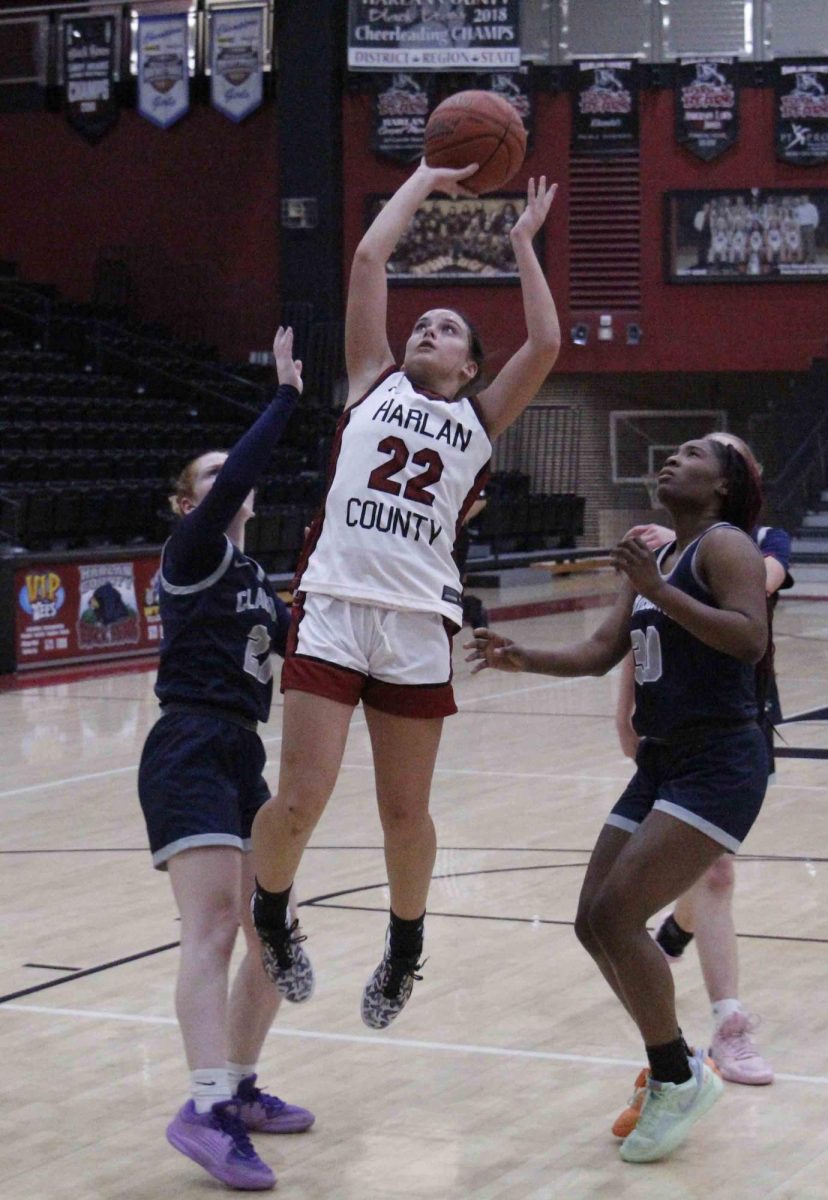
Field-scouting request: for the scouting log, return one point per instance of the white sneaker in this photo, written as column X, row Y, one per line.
column 669, row 1113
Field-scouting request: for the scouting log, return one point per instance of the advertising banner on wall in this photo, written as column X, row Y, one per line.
column 236, row 56
column 433, row 35
column 605, row 107
column 163, row 70
column 88, row 75
column 73, row 612
column 802, row 111
column 707, row 105
column 402, row 103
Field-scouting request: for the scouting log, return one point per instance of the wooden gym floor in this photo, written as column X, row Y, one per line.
column 503, row 1076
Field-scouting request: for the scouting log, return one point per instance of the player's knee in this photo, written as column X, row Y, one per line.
column 215, row 930
column 584, row 931
column 400, row 813
column 721, row 877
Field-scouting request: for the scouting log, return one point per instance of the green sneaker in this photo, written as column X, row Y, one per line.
column 669, row 1113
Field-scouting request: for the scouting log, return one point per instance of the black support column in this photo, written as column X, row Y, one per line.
column 310, row 47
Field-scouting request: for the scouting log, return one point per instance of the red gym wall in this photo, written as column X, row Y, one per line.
column 194, row 212
column 713, row 327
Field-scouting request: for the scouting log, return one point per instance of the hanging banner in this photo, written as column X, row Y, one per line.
column 401, row 107
column 707, row 105
column 605, row 107
column 236, row 55
column 802, row 111
column 163, row 73
column 441, row 35
column 516, row 87
column 68, row 612
column 88, row 75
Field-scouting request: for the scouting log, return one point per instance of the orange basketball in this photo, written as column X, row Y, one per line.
column 479, row 127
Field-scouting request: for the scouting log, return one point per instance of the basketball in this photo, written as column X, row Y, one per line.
column 481, row 127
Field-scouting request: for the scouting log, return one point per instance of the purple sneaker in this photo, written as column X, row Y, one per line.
column 264, row 1113
column 218, row 1141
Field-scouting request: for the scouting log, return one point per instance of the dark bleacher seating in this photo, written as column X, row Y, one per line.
column 87, row 455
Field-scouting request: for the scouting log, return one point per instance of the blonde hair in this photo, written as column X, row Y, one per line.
column 184, row 484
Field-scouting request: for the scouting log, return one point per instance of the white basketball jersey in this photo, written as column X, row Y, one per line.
column 406, row 467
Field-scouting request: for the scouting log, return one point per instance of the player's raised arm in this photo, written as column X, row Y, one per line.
column 517, row 383
column 367, row 352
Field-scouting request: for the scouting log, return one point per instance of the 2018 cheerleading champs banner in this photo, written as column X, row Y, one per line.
column 236, row 56
column 707, row 105
column 451, row 35
column 163, row 69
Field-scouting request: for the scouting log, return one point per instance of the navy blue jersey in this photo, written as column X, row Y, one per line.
column 681, row 684
column 218, row 637
column 220, row 615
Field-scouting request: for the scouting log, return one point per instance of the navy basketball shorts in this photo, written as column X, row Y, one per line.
column 716, row 783
column 391, row 659
column 200, row 783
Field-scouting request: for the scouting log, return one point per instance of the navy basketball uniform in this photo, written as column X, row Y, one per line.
column 200, row 780
column 702, row 757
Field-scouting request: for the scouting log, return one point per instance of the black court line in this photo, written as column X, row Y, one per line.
column 377, row 849
column 50, row 967
column 371, row 887
column 762, row 937
column 107, row 966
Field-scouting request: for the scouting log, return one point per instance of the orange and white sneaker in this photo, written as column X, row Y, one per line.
column 627, row 1120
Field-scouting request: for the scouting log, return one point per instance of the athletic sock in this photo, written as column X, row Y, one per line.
column 668, row 1062
column 270, row 908
column 208, row 1086
column 236, row 1072
column 672, row 938
column 407, row 937
column 722, row 1009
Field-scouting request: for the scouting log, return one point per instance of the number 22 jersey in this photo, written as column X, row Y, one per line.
column 405, row 468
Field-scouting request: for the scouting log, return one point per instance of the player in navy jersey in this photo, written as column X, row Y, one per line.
column 697, row 619
column 200, row 783
column 706, row 910
column 378, row 591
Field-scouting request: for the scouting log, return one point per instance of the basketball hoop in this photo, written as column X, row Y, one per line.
column 651, row 483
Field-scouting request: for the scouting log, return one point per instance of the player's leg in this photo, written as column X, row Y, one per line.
column 208, row 1129
column 405, row 751
column 663, row 855
column 314, row 733
column 252, row 1007
column 732, row 1048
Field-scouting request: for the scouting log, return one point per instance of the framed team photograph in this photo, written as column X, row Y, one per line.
column 456, row 241
column 746, row 235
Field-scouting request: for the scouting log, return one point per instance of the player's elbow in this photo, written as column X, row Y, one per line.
column 546, row 347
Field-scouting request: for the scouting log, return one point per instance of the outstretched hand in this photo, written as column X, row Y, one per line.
column 539, row 199
column 288, row 368
column 491, row 650
column 448, row 179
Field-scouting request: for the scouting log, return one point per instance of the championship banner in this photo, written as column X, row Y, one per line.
column 516, row 87
column 236, row 55
column 605, row 107
column 802, row 111
column 401, row 108
column 707, row 105
column 88, row 75
column 70, row 613
column 442, row 35
column 163, row 73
